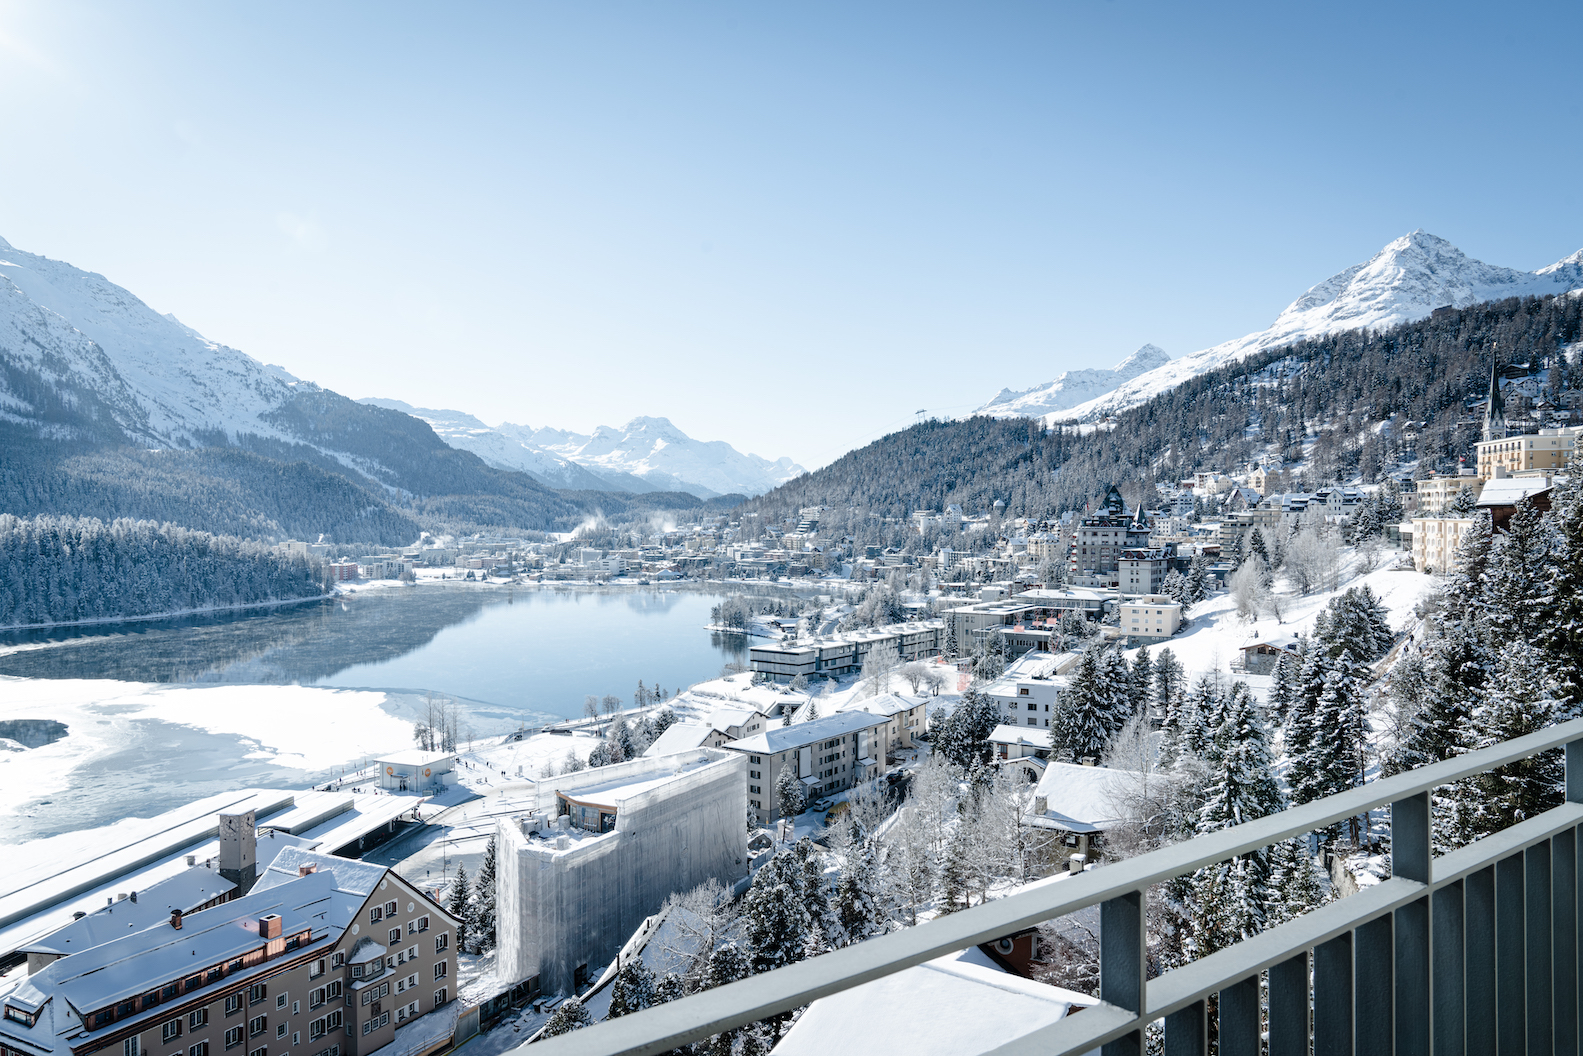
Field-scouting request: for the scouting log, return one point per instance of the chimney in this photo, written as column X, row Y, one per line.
column 192, row 860
column 1041, row 804
column 239, row 850
column 133, row 897
column 120, row 896
column 1088, row 760
column 175, row 919
column 304, row 870
column 269, row 927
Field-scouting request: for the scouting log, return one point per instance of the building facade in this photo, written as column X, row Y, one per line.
column 1548, row 450
column 602, row 849
column 1149, row 618
column 828, row 754
column 325, row 957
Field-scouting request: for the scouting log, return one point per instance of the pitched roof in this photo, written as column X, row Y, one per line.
column 185, row 891
column 1082, row 798
column 784, row 738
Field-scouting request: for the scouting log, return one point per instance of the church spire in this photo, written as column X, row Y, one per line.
column 1495, row 415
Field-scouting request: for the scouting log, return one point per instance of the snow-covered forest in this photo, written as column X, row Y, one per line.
column 66, row 569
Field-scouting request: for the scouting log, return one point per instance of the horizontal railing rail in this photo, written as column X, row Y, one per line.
column 1388, row 923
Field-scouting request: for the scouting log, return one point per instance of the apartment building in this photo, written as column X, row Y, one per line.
column 1435, row 542
column 1436, row 494
column 1548, row 449
column 906, row 717
column 1027, row 692
column 829, row 754
column 325, row 957
column 1150, row 617
column 843, row 654
column 1142, row 570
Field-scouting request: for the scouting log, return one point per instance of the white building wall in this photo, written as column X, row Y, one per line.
column 561, row 908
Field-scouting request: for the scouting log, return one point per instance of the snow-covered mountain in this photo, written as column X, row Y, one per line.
column 71, row 334
column 653, row 449
column 1406, row 280
column 646, row 454
column 1073, row 387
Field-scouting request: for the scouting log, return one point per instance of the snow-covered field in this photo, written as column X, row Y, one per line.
column 131, row 747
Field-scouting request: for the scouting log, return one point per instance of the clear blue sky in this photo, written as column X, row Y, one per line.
column 789, row 225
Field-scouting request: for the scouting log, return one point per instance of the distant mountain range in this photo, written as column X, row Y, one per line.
column 1405, row 281
column 1073, row 387
column 110, row 409
column 646, row 454
column 84, row 360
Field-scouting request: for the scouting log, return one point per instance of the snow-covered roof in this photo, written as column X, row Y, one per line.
column 185, row 891
column 416, row 757
column 1082, row 798
column 1006, row 733
column 679, row 737
column 351, row 877
column 1275, row 641
column 955, row 1005
column 1507, row 491
column 784, row 738
column 886, row 704
column 728, row 715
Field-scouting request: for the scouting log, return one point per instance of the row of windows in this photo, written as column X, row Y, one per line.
column 375, row 1023
column 323, row 1025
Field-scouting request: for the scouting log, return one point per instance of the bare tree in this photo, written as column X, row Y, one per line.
column 915, row 674
column 882, row 659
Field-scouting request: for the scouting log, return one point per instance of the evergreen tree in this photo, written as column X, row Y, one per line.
column 1303, row 733
column 1562, row 633
column 963, row 735
column 775, row 918
column 484, row 923
column 1283, row 684
column 1115, row 685
column 1522, row 698
column 858, row 911
column 1084, row 716
column 569, row 1015
column 1517, row 580
column 791, row 794
column 634, row 989
column 1142, row 686
column 1294, row 888
column 1257, row 547
column 1169, row 680
column 461, row 907
column 816, row 896
column 1242, row 783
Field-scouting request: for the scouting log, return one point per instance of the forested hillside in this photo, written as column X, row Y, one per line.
column 66, row 569
column 1349, row 405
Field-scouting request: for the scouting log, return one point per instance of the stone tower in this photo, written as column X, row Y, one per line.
column 1495, row 416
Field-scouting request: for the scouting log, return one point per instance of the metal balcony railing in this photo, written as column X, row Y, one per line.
column 1475, row 952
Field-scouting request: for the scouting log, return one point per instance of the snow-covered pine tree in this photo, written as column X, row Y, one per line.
column 1522, row 698
column 963, row 736
column 569, row 1015
column 774, row 915
column 1241, row 783
column 1169, row 680
column 1202, row 716
column 1562, row 635
column 791, row 794
column 1142, row 686
column 858, row 912
column 1517, row 579
column 634, row 989
column 1336, row 752
column 1283, row 685
column 484, row 922
column 816, row 896
column 460, row 906
column 1082, row 725
column 1256, row 546
column 1294, row 886
column 1115, row 683
column 1302, row 732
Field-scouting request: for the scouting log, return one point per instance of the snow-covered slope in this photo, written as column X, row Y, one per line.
column 646, row 454
column 466, row 433
column 652, row 449
column 1406, row 280
column 161, row 381
column 1073, row 387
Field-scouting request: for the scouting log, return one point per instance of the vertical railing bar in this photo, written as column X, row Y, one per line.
column 1448, row 1031
column 1371, row 987
column 1239, row 1018
column 1479, row 946
column 1289, row 1007
column 1122, row 951
column 1333, row 997
column 1563, row 930
column 1536, row 902
column 1511, row 1017
column 1187, row 1031
column 1411, row 856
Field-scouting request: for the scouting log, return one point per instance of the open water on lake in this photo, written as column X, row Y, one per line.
column 513, row 653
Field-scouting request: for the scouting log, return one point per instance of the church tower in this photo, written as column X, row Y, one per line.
column 1495, row 415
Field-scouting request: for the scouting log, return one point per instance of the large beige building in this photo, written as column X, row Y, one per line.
column 1435, row 541
column 325, row 957
column 1150, row 617
column 828, row 755
column 1548, row 449
column 1435, row 494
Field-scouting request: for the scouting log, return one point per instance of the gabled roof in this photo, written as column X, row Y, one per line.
column 1083, row 798
column 185, row 891
column 784, row 738
column 1508, row 491
column 679, row 737
column 886, row 704
column 1005, row 733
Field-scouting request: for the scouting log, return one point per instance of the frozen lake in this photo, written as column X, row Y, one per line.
column 165, row 711
column 513, row 653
